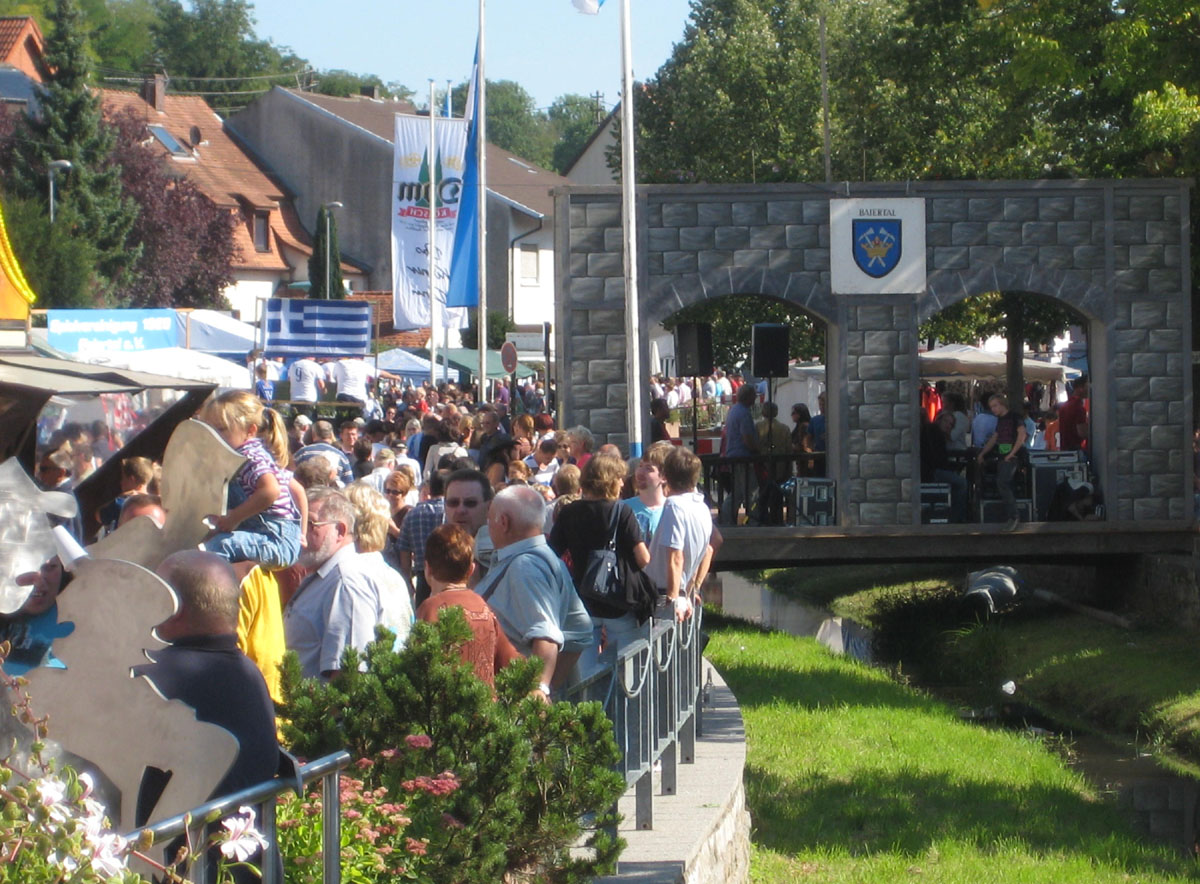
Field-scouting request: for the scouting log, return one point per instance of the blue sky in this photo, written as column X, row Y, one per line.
column 545, row 45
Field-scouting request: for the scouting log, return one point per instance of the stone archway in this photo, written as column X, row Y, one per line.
column 1115, row 251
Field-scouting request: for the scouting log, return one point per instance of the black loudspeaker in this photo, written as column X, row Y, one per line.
column 769, row 350
column 693, row 350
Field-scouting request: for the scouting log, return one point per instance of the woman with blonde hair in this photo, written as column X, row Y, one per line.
column 372, row 516
column 522, row 431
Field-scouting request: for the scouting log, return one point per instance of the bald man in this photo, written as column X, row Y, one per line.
column 203, row 667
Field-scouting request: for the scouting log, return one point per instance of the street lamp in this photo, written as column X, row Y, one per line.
column 328, row 269
column 52, row 170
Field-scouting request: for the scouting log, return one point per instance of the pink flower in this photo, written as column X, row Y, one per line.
column 415, row 847
column 107, row 855
column 418, row 741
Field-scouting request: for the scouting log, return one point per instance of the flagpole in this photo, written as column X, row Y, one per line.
column 481, row 218
column 434, row 313
column 633, row 374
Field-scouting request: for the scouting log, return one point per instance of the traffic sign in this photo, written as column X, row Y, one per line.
column 508, row 356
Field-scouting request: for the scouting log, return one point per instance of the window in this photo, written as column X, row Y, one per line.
column 262, row 240
column 167, row 140
column 529, row 265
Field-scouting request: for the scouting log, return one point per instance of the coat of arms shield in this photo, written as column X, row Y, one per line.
column 877, row 245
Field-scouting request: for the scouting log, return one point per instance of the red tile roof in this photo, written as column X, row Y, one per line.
column 225, row 173
column 21, row 43
column 508, row 174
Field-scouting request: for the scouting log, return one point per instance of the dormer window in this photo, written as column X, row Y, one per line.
column 167, row 140
column 262, row 230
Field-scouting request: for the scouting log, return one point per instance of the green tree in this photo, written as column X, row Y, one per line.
column 319, row 269
column 344, row 84
column 498, row 325
column 574, row 118
column 90, row 198
column 513, row 122
column 59, row 266
column 121, row 34
column 212, row 48
column 733, row 317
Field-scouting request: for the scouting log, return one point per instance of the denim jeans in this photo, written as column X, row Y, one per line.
column 271, row 541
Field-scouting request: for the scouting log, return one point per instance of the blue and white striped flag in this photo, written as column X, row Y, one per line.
column 588, row 7
column 298, row 327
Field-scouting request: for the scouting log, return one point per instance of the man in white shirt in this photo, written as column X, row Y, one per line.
column 308, row 382
column 685, row 539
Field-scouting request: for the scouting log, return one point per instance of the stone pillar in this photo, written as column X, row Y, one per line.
column 880, row 411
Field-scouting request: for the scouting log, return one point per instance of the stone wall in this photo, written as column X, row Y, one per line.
column 1114, row 251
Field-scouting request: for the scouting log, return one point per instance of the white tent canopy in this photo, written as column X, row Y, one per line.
column 176, row 362
column 407, row 365
column 963, row 362
column 214, row 332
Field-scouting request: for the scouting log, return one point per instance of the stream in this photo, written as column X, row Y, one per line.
column 1160, row 803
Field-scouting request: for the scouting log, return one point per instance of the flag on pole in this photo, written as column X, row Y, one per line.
column 588, row 7
column 298, row 327
column 464, row 261
column 414, row 198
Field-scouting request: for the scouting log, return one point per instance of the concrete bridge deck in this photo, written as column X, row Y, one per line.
column 1050, row 542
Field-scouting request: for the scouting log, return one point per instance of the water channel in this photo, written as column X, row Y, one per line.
column 1161, row 804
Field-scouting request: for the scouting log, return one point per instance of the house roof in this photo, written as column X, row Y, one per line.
column 224, row 172
column 519, row 181
column 601, row 128
column 13, row 29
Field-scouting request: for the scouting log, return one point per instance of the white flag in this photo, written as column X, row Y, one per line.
column 412, row 201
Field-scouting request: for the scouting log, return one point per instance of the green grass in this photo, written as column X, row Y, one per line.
column 851, row 777
column 1141, row 684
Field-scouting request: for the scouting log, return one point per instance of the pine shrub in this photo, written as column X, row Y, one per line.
column 527, row 774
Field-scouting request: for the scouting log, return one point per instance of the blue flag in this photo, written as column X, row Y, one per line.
column 464, row 259
column 589, row 7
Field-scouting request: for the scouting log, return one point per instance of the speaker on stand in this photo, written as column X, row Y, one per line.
column 693, row 359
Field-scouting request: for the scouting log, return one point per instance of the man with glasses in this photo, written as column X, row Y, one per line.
column 338, row 604
column 468, row 495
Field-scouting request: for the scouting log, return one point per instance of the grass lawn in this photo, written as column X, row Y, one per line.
column 852, row 777
column 1141, row 684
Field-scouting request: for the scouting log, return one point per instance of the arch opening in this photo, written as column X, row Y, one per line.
column 1004, row 420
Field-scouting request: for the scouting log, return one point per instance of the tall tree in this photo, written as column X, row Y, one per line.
column 69, row 127
column 573, row 118
column 212, row 48
column 325, row 263
column 187, row 241
column 513, row 122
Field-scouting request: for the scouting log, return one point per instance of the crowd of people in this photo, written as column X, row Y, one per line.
column 333, row 528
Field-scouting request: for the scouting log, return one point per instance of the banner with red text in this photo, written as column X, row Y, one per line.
column 413, row 199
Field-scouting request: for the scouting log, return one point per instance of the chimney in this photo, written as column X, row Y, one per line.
column 370, row 92
column 154, row 91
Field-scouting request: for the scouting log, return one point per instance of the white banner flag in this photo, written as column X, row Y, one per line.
column 411, row 205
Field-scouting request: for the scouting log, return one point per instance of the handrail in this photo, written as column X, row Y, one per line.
column 327, row 767
column 657, row 719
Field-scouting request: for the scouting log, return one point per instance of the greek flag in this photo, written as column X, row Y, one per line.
column 588, row 7
column 298, row 327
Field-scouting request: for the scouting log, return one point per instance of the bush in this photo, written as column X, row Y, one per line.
column 526, row 773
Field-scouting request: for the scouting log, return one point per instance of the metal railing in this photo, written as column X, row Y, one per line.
column 762, row 487
column 291, row 776
column 650, row 691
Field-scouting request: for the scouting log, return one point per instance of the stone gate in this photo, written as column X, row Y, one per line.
column 1115, row 251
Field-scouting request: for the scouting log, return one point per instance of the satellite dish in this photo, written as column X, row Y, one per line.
column 194, row 135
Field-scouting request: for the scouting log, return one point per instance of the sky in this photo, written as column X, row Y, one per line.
column 545, row 45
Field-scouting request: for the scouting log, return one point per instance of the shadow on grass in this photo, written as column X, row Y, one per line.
column 910, row 813
column 907, row 811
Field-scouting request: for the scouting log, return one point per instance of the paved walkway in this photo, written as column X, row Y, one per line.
column 702, row 833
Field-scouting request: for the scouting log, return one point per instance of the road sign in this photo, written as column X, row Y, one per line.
column 527, row 340
column 508, row 356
